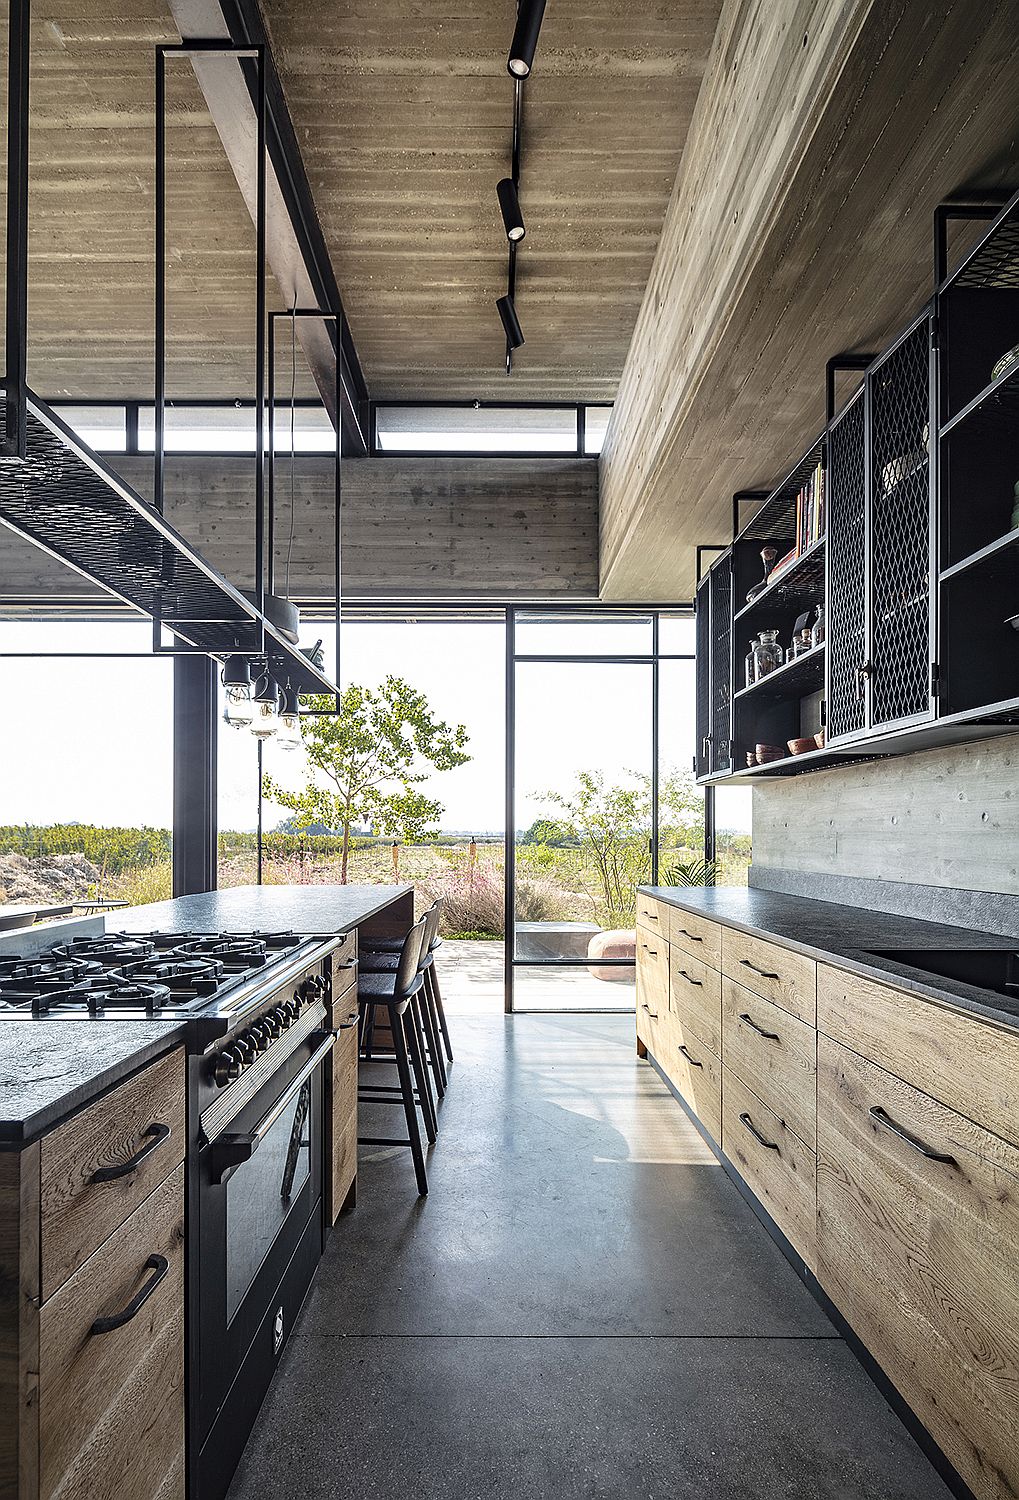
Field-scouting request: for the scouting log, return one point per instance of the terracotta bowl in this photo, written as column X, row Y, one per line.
column 800, row 747
column 820, row 739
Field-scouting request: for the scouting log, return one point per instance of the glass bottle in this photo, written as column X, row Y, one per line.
column 767, row 654
column 817, row 629
column 750, row 664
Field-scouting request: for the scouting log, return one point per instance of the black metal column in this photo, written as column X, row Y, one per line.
column 15, row 443
column 195, row 727
column 510, row 855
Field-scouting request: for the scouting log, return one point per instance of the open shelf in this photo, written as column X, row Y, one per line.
column 804, row 674
column 802, row 582
column 985, row 554
column 997, row 401
column 777, row 515
column 66, row 500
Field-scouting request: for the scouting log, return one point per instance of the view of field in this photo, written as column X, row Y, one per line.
column 575, row 882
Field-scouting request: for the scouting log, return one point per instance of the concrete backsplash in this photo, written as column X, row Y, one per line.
column 947, row 818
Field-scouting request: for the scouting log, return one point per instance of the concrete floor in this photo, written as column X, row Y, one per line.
column 583, row 1306
column 473, row 982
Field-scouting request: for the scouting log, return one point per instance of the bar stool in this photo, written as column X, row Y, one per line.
column 372, row 949
column 396, row 992
column 376, row 961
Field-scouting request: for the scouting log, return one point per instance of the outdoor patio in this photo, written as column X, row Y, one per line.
column 472, row 978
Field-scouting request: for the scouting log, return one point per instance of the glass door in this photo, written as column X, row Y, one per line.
column 581, row 805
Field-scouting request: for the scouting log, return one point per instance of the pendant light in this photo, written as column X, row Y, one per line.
column 237, row 710
column 510, row 322
column 288, row 736
column 265, row 721
column 509, row 203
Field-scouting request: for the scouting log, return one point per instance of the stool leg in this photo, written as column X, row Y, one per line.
column 437, row 997
column 409, row 1107
column 431, row 1028
column 417, row 1058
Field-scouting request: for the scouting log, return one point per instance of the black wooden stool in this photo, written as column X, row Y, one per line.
column 396, row 993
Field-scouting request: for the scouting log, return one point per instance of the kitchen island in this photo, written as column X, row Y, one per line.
column 169, row 1066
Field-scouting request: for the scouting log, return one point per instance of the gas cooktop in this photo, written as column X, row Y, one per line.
column 139, row 975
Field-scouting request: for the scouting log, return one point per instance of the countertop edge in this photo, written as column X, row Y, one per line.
column 16, row 1134
column 960, row 998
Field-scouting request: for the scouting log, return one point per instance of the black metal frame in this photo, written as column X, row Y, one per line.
column 15, row 440
column 194, row 843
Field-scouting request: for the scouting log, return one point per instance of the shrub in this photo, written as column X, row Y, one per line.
column 474, row 899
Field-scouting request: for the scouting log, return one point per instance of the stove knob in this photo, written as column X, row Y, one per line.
column 262, row 1032
column 274, row 1023
column 226, row 1068
column 246, row 1048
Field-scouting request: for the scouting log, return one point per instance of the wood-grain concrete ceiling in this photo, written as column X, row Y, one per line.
column 92, row 214
column 403, row 112
column 801, row 226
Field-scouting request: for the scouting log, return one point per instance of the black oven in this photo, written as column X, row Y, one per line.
column 256, row 1235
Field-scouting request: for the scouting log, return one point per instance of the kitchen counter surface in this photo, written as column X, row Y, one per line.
column 312, row 910
column 48, row 1069
column 826, row 930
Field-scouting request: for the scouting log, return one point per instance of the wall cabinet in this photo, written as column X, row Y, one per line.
column 879, row 1132
column 900, row 523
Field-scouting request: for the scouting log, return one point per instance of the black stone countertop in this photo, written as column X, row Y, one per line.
column 312, row 910
column 847, row 935
column 48, row 1069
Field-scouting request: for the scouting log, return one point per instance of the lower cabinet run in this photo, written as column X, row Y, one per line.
column 879, row 1130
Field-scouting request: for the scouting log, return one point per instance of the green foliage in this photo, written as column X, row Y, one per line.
column 376, row 752
column 693, row 872
column 609, row 827
column 112, row 849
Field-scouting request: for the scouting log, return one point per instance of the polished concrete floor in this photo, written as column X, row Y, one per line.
column 583, row 1306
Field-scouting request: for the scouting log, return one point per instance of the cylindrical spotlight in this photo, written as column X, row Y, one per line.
column 510, row 321
column 509, row 203
column 525, row 37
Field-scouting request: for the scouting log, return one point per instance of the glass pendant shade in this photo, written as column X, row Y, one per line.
column 237, row 709
column 265, row 708
column 289, row 734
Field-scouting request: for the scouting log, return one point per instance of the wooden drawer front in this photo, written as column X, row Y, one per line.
column 652, row 989
column 653, row 916
column 111, row 1404
column 970, row 1065
column 697, row 1074
column 78, row 1212
column 774, row 1054
column 787, row 978
column 781, row 1173
column 922, row 1257
column 696, row 935
column 341, row 1128
column 696, row 998
column 344, row 967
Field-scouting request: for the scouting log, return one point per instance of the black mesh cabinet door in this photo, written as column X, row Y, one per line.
column 847, row 574
column 702, row 750
column 721, row 664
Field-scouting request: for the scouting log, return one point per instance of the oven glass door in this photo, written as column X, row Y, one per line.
column 260, row 1194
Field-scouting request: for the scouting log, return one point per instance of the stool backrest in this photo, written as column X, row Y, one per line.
column 410, row 957
column 431, row 921
column 431, row 936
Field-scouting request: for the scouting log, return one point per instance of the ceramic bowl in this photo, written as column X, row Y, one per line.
column 800, row 747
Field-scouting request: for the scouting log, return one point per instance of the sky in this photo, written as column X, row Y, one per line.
column 90, row 740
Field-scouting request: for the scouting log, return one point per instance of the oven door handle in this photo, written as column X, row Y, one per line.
column 230, row 1151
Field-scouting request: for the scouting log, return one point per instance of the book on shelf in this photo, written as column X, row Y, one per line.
column 810, row 513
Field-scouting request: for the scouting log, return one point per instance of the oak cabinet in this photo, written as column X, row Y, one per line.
column 779, row 974
column 918, row 1247
column 92, row 1300
column 774, row 1053
column 773, row 1161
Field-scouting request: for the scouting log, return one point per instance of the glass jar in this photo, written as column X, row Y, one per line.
column 817, row 629
column 767, row 654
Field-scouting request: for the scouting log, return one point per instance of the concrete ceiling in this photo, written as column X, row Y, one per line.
column 403, row 112
column 92, row 214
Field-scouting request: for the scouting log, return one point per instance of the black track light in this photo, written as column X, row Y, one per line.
column 510, row 321
column 509, row 203
column 525, row 37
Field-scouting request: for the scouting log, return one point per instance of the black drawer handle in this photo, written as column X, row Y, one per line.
column 157, row 1135
column 650, row 916
column 691, row 1060
column 653, row 951
column 348, row 1023
column 883, row 1118
column 772, row 1036
column 652, row 1013
column 748, row 1124
column 691, row 935
column 764, row 973
column 690, row 980
column 351, row 963
column 158, row 1265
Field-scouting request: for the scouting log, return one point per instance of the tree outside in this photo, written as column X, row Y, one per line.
column 375, row 753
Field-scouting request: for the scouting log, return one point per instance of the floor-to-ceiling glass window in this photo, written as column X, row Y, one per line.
column 601, row 796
